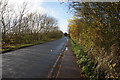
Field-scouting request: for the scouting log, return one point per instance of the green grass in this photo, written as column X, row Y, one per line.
column 12, row 47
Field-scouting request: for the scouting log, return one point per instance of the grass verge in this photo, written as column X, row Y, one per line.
column 87, row 64
column 12, row 47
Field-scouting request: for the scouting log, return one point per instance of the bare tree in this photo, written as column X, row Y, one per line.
column 19, row 26
column 3, row 10
column 22, row 12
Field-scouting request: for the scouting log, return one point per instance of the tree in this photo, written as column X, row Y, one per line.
column 96, row 27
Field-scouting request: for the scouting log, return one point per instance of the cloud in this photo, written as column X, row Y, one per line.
column 33, row 5
column 21, row 1
column 64, row 25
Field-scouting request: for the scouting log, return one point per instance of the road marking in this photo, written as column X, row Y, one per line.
column 66, row 48
column 57, row 76
column 54, row 66
column 52, row 71
column 51, row 50
column 58, row 72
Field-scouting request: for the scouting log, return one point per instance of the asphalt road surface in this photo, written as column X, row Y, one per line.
column 32, row 62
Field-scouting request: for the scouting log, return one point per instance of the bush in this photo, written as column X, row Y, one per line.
column 87, row 64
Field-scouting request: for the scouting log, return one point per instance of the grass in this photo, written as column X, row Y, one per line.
column 11, row 47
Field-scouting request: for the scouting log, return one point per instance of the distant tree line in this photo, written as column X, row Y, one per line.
column 21, row 26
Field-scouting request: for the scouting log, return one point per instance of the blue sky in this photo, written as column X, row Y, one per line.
column 60, row 12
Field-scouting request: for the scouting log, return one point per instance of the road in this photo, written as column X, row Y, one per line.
column 32, row 62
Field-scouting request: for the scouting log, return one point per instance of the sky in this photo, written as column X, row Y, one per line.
column 53, row 8
column 60, row 12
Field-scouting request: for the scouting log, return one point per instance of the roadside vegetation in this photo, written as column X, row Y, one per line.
column 95, row 37
column 20, row 27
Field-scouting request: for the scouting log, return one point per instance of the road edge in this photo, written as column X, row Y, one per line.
column 51, row 74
